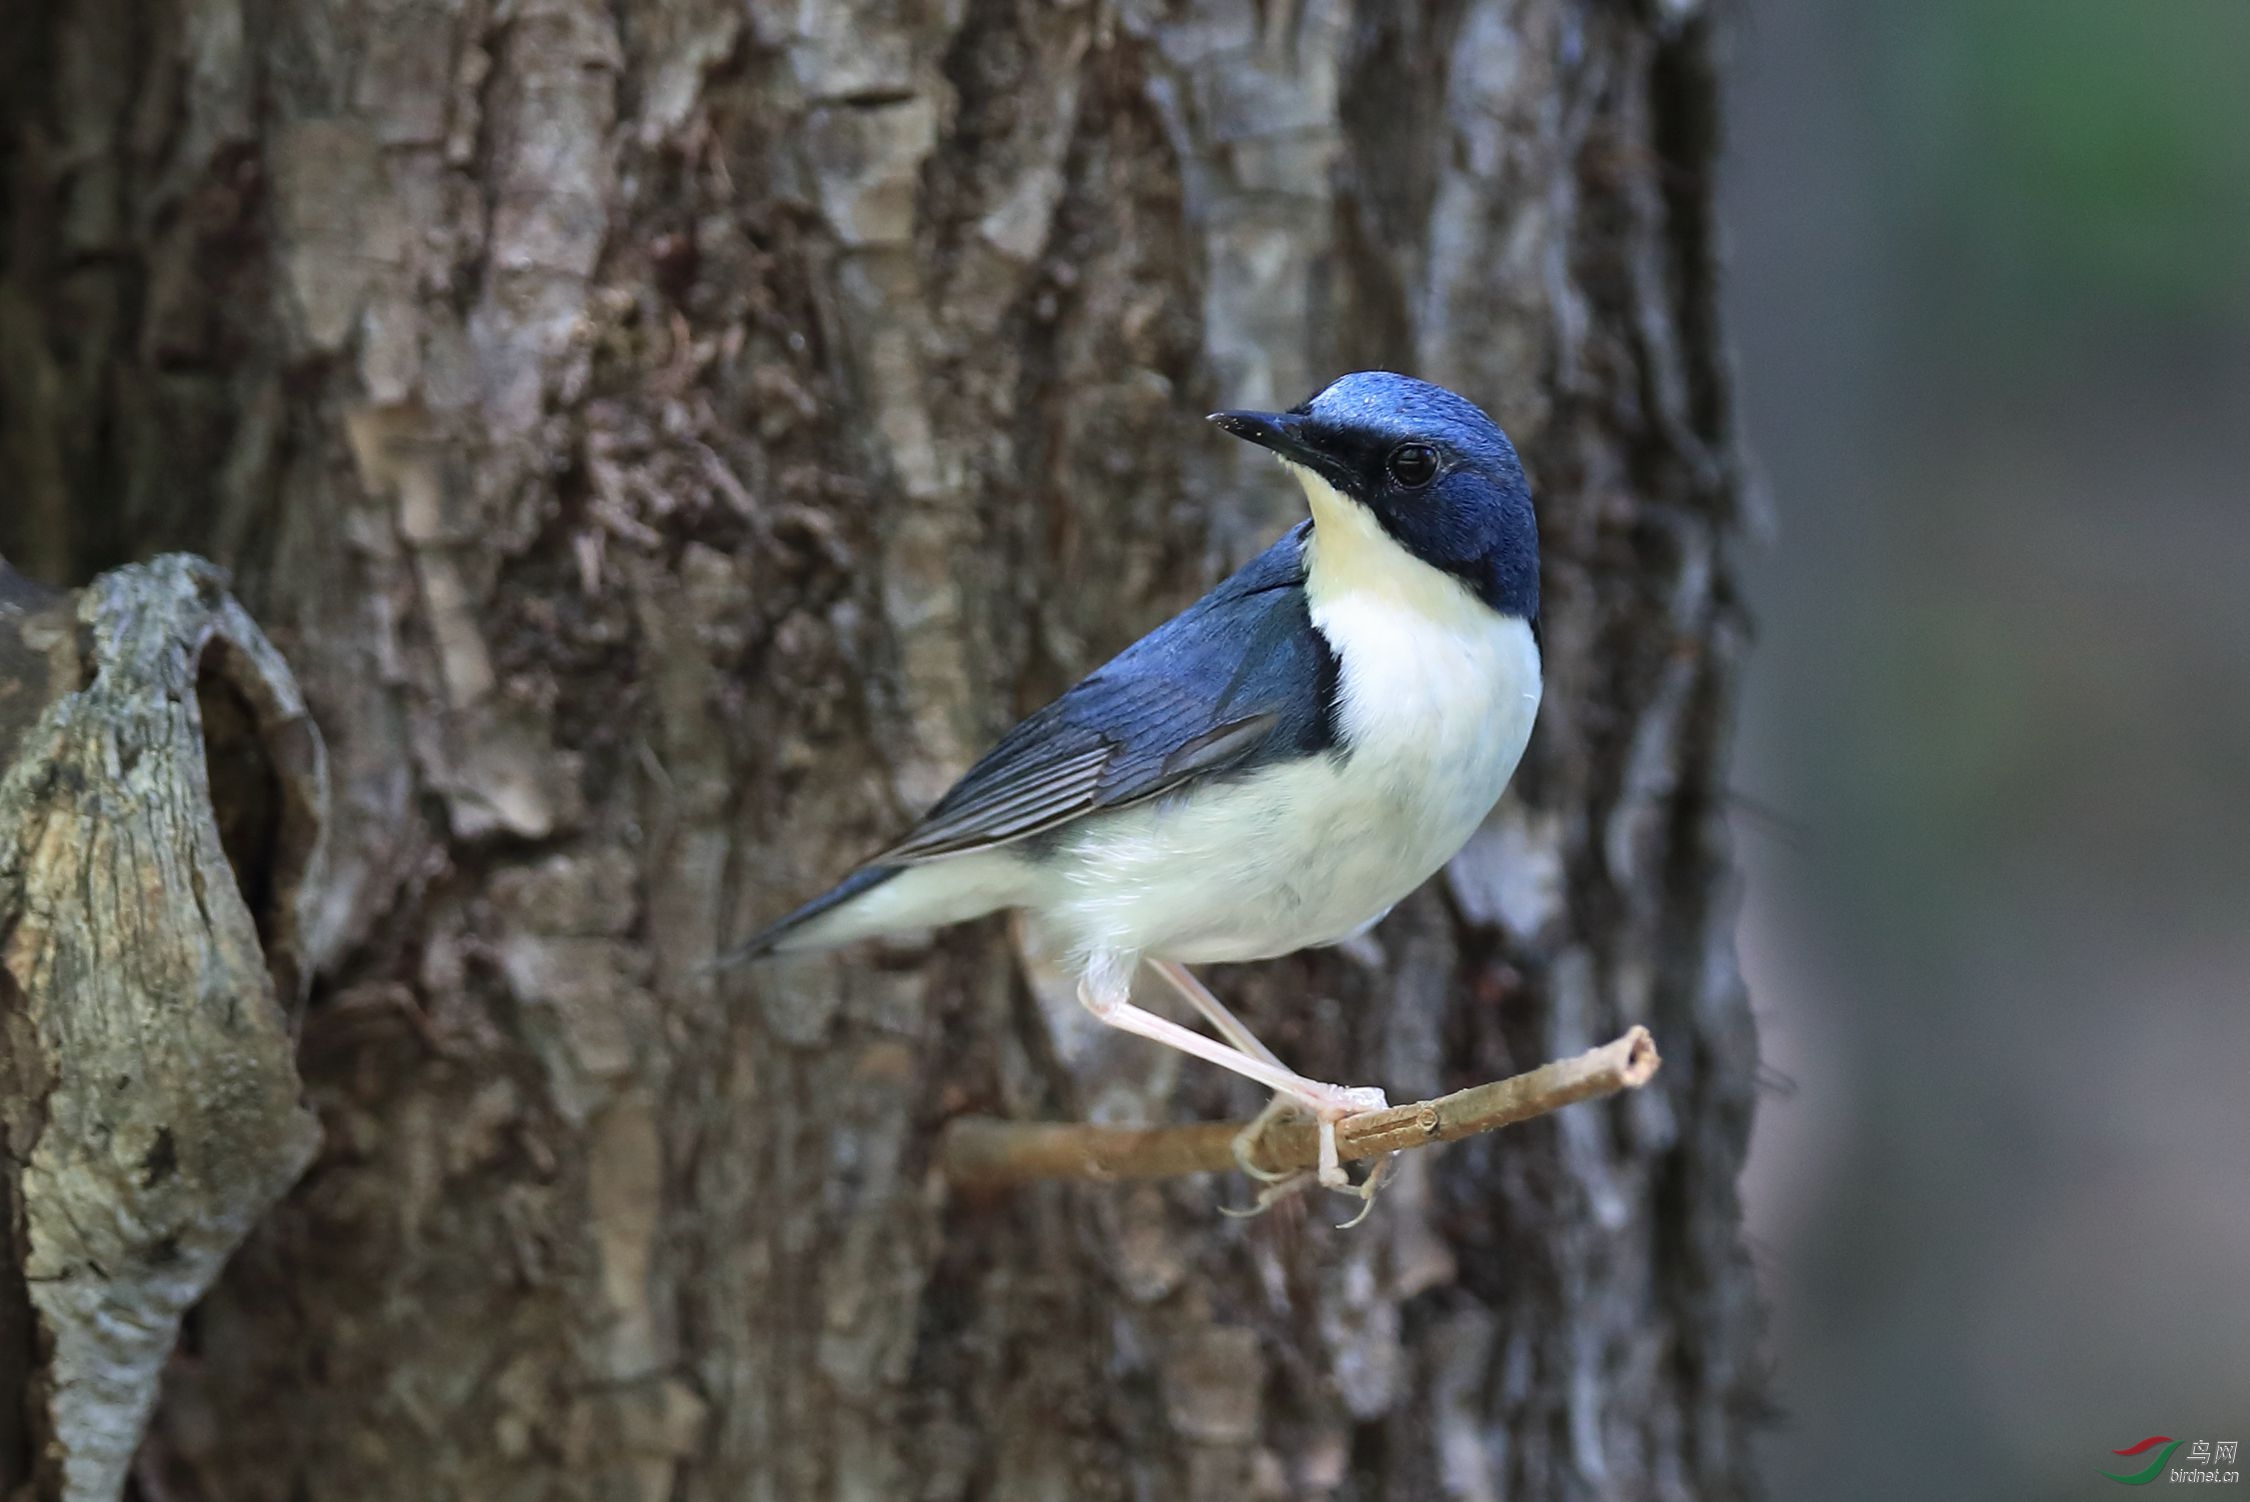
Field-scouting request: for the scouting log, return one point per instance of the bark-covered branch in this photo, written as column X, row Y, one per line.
column 980, row 1152
column 161, row 796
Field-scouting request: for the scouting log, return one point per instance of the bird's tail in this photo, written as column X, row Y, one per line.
column 803, row 928
column 889, row 899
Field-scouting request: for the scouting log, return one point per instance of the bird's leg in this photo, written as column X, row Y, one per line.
column 1232, row 1028
column 1277, row 1186
column 1106, row 990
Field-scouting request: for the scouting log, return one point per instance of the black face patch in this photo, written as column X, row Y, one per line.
column 1438, row 475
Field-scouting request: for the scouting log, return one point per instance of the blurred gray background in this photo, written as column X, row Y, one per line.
column 1990, row 288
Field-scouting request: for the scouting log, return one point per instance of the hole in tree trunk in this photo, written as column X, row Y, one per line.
column 246, row 792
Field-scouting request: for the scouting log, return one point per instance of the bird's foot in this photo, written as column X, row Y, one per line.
column 1283, row 1186
column 1343, row 1105
column 1339, row 1104
column 1246, row 1143
column 1365, row 1190
column 1329, row 1105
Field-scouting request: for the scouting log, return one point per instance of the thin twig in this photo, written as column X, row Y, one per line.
column 984, row 1152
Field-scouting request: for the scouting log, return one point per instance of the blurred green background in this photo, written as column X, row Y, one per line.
column 1990, row 289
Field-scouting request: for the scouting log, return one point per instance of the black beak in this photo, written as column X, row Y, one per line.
column 1280, row 431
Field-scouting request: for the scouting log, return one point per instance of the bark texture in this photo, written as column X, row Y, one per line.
column 152, row 746
column 669, row 439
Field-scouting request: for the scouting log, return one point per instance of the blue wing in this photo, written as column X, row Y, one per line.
column 1238, row 680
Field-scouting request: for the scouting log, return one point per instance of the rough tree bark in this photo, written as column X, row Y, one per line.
column 668, row 439
column 152, row 747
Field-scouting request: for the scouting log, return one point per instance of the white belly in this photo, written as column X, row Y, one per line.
column 1434, row 711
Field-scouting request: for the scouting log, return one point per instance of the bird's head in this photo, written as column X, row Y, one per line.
column 1437, row 476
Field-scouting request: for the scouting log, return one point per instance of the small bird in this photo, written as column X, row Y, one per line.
column 1276, row 766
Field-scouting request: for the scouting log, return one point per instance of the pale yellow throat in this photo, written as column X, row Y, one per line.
column 1350, row 557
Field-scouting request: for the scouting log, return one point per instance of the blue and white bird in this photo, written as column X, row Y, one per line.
column 1275, row 766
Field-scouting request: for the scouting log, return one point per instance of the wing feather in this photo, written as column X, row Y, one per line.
column 1239, row 678
column 1031, row 799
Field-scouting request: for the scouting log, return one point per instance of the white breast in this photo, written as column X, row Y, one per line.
column 1436, row 699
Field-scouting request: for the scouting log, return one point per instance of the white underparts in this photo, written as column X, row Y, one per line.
column 1436, row 697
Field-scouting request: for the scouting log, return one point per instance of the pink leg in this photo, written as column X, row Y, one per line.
column 1232, row 1028
column 1182, row 980
column 1106, row 990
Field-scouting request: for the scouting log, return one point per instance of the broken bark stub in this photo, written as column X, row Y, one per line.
column 157, row 765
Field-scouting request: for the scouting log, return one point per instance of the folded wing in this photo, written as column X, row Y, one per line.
column 1239, row 680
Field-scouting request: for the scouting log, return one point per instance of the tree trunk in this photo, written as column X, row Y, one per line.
column 668, row 442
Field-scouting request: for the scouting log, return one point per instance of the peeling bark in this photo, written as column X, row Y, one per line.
column 152, row 747
column 668, row 440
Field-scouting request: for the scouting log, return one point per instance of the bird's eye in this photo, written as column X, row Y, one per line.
column 1413, row 464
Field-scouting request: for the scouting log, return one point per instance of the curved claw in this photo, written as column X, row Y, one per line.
column 1245, row 1144
column 1366, row 1188
column 1286, row 1186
